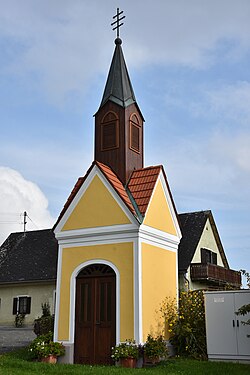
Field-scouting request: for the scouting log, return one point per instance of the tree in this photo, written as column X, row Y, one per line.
column 245, row 309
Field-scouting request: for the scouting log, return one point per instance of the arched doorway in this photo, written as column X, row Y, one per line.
column 95, row 314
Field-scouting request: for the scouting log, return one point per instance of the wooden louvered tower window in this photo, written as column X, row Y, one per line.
column 109, row 132
column 135, row 129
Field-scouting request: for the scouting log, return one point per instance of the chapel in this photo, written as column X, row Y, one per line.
column 118, row 235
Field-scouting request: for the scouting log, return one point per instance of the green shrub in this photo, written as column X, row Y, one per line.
column 46, row 309
column 187, row 324
column 45, row 323
column 155, row 347
column 19, row 320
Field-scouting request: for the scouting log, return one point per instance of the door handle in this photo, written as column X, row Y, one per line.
column 233, row 323
column 97, row 323
column 237, row 323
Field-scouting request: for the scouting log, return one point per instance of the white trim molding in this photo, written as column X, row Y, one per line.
column 73, row 296
column 58, row 287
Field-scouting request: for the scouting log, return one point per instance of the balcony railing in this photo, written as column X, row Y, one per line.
column 216, row 274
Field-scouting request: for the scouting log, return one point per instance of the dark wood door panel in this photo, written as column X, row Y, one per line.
column 95, row 318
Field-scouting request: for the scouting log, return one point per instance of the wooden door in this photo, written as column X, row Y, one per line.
column 95, row 319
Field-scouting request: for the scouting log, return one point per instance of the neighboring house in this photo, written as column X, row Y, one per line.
column 28, row 266
column 202, row 262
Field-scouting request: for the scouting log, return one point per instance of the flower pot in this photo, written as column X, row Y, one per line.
column 49, row 359
column 128, row 362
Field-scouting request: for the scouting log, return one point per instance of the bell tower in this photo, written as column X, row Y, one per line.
column 119, row 121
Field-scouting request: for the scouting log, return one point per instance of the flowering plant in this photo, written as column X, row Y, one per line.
column 44, row 346
column 155, row 347
column 127, row 349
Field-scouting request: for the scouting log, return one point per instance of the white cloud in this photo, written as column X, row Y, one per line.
column 209, row 172
column 16, row 196
column 64, row 47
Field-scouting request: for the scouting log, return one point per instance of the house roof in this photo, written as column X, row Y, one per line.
column 141, row 185
column 117, row 184
column 29, row 256
column 192, row 225
column 118, row 87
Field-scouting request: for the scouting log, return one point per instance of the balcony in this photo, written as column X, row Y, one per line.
column 214, row 274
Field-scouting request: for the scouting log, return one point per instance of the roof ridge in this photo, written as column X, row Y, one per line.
column 128, row 203
column 195, row 212
column 149, row 167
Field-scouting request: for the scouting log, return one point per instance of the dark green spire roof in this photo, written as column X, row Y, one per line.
column 118, row 87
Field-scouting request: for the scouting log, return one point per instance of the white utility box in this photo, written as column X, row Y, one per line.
column 227, row 337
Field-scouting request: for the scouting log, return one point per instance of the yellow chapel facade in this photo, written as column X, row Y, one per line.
column 118, row 236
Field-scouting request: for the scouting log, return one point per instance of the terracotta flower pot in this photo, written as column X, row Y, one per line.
column 49, row 359
column 128, row 362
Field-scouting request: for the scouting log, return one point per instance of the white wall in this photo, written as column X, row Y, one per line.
column 39, row 293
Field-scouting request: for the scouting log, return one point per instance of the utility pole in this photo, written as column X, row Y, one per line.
column 24, row 221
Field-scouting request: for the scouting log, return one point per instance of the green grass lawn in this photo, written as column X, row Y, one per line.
column 17, row 364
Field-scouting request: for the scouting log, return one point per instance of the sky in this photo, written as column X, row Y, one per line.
column 189, row 66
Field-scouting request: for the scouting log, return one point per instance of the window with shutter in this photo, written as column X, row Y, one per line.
column 214, row 258
column 109, row 132
column 14, row 311
column 135, row 133
column 21, row 305
column 208, row 256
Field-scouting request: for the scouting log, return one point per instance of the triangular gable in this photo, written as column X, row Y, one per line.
column 152, row 195
column 160, row 215
column 97, row 202
column 209, row 242
column 193, row 225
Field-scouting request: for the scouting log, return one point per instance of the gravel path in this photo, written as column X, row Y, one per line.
column 12, row 338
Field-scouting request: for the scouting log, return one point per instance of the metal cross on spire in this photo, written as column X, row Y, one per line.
column 117, row 21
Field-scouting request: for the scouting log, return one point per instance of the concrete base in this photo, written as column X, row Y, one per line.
column 69, row 354
column 171, row 351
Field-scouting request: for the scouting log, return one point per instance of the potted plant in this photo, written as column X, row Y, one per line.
column 45, row 349
column 126, row 353
column 154, row 349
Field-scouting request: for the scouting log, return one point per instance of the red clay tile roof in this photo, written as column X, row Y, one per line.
column 70, row 198
column 141, row 185
column 116, row 183
column 113, row 180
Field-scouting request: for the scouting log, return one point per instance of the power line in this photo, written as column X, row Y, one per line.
column 19, row 221
column 31, row 220
column 9, row 213
column 9, row 222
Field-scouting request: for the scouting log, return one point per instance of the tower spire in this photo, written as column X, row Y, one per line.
column 118, row 87
column 118, row 121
